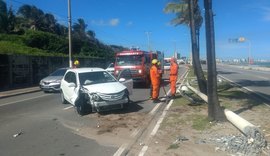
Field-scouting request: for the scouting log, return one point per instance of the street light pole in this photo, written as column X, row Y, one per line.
column 69, row 33
column 148, row 40
column 243, row 39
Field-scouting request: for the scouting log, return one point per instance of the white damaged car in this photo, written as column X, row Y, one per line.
column 94, row 89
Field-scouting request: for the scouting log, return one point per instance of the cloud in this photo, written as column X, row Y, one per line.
column 110, row 22
column 266, row 13
column 114, row 22
column 130, row 23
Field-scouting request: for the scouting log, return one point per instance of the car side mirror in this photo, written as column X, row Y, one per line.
column 72, row 84
column 122, row 80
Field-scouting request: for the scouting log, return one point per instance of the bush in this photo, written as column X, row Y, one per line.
column 14, row 48
column 46, row 41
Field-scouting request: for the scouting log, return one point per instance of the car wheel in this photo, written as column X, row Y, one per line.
column 63, row 100
column 126, row 105
column 82, row 107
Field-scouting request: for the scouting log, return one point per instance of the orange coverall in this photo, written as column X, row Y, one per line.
column 173, row 76
column 155, row 80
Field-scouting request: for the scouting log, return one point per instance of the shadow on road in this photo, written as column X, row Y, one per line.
column 223, row 72
column 246, row 83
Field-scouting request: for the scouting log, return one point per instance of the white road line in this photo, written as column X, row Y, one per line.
column 135, row 132
column 120, row 150
column 154, row 109
column 68, row 107
column 144, row 149
column 23, row 100
column 154, row 131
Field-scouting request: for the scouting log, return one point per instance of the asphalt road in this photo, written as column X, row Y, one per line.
column 44, row 125
column 252, row 80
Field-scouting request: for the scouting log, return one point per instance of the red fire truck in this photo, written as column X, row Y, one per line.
column 138, row 61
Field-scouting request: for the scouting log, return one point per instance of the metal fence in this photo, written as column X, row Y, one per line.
column 18, row 71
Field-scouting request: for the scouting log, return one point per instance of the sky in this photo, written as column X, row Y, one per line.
column 143, row 23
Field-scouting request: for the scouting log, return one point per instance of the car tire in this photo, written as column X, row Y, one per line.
column 126, row 105
column 63, row 100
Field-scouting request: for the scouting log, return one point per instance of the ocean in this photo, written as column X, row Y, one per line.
column 262, row 64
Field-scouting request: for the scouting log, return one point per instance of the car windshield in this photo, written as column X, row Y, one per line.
column 90, row 78
column 129, row 60
column 59, row 72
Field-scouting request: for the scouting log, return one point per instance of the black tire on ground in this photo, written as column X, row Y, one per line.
column 63, row 100
column 126, row 105
column 82, row 107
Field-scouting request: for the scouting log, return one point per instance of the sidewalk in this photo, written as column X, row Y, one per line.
column 13, row 92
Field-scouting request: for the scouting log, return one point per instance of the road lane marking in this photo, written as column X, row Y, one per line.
column 154, row 109
column 250, row 90
column 9, row 103
column 120, row 150
column 135, row 132
column 144, row 149
column 154, row 131
column 68, row 107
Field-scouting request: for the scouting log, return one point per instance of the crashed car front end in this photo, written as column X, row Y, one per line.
column 104, row 102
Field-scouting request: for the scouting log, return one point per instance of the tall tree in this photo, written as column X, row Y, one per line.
column 33, row 17
column 214, row 110
column 80, row 27
column 190, row 15
column 3, row 17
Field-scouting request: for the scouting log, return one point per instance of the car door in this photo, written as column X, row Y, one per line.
column 70, row 87
column 125, row 78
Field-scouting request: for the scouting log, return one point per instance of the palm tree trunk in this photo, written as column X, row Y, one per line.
column 195, row 53
column 214, row 110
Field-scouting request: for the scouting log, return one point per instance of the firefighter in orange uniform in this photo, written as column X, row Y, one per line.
column 173, row 76
column 155, row 80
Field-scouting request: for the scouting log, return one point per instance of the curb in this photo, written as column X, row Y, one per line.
column 15, row 92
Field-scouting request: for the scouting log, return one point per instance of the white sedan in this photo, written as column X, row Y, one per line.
column 94, row 89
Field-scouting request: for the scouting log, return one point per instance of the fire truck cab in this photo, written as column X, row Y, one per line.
column 138, row 61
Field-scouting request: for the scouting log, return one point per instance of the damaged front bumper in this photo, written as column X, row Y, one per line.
column 110, row 105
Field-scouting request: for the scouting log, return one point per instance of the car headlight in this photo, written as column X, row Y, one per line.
column 95, row 97
column 57, row 81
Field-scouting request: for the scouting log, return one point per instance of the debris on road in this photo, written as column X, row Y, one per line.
column 241, row 144
column 17, row 134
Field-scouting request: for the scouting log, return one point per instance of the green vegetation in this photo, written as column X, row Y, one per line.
column 200, row 122
column 30, row 31
column 173, row 146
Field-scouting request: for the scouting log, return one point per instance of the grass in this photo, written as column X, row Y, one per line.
column 173, row 146
column 200, row 122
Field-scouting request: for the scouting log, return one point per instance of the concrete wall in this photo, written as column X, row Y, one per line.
column 18, row 71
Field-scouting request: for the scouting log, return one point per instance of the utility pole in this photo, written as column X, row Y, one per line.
column 69, row 33
column 148, row 39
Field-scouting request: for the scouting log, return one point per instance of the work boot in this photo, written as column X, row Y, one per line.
column 156, row 101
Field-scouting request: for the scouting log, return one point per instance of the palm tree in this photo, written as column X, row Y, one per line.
column 188, row 13
column 80, row 28
column 215, row 112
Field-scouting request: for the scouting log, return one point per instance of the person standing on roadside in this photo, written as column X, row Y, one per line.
column 173, row 76
column 76, row 64
column 155, row 80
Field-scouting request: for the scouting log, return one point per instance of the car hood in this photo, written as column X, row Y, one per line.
column 52, row 78
column 105, row 88
column 109, row 69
